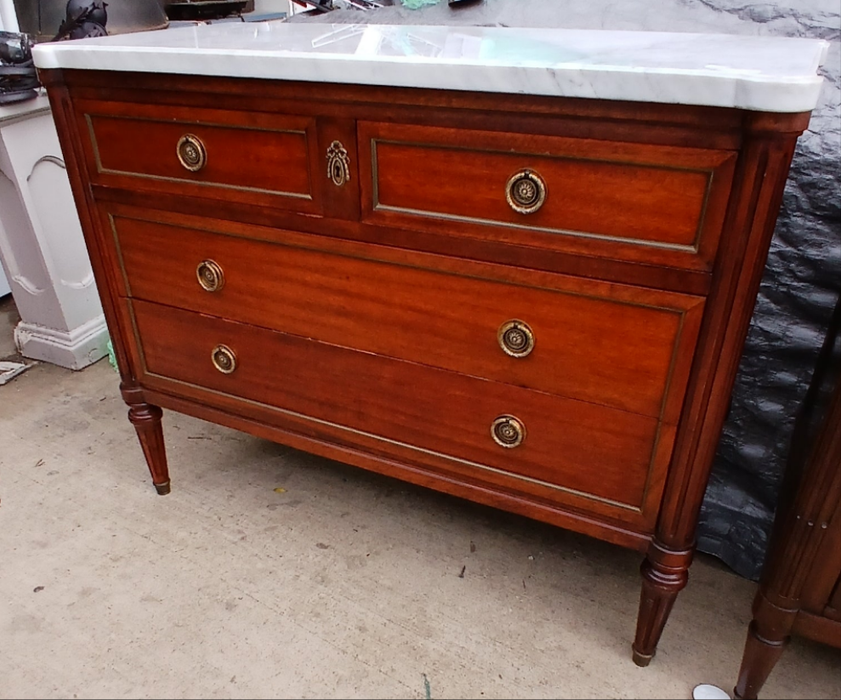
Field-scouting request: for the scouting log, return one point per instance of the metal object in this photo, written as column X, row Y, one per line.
column 83, row 18
column 189, row 10
column 224, row 359
column 525, row 192
column 210, row 276
column 18, row 79
column 15, row 48
column 191, row 153
column 42, row 18
column 508, row 431
column 516, row 338
column 338, row 164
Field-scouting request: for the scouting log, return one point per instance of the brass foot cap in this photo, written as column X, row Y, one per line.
column 162, row 489
column 642, row 660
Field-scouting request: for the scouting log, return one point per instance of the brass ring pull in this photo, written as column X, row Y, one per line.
column 525, row 192
column 516, row 338
column 224, row 359
column 508, row 431
column 210, row 276
column 338, row 164
column 191, row 153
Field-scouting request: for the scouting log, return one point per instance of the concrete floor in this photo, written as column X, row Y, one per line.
column 342, row 584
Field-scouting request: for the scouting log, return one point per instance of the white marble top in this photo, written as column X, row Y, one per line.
column 756, row 73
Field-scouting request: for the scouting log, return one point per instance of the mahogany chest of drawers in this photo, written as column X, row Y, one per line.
column 535, row 303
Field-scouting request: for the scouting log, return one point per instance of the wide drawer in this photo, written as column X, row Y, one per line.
column 244, row 157
column 656, row 204
column 607, row 344
column 588, row 452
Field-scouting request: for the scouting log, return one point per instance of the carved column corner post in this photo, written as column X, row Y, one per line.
column 664, row 575
column 761, row 173
column 146, row 420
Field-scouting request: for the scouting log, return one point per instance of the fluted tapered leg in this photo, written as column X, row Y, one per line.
column 146, row 420
column 664, row 574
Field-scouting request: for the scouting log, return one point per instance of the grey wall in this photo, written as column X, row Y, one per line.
column 803, row 274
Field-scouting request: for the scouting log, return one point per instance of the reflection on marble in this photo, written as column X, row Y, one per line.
column 759, row 73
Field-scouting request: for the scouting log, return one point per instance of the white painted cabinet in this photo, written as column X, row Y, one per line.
column 4, row 285
column 41, row 244
column 8, row 23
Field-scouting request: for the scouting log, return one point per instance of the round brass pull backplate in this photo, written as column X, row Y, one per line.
column 224, row 359
column 191, row 153
column 508, row 431
column 210, row 276
column 516, row 338
column 525, row 192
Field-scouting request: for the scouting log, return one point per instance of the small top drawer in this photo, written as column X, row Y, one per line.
column 661, row 205
column 252, row 158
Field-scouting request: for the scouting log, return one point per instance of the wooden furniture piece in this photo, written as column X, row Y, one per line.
column 531, row 301
column 800, row 590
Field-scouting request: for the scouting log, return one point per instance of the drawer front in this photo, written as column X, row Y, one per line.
column 655, row 204
column 244, row 157
column 620, row 347
column 586, row 451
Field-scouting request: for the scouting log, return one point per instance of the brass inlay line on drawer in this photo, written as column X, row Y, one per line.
column 675, row 349
column 119, row 250
column 691, row 248
column 398, row 443
column 207, row 226
column 165, row 178
column 487, row 278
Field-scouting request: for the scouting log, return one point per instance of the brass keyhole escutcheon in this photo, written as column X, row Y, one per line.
column 516, row 338
column 210, row 276
column 191, row 153
column 338, row 164
column 508, row 431
column 224, row 359
column 525, row 192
